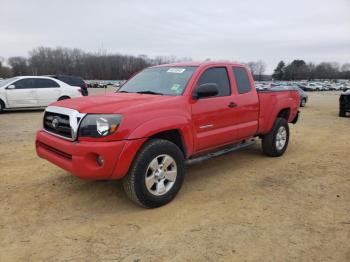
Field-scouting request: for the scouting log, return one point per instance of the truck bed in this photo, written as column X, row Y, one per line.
column 271, row 101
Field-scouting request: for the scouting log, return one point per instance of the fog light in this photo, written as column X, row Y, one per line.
column 100, row 160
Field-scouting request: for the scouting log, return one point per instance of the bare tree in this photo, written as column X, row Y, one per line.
column 253, row 68
column 345, row 67
column 19, row 65
column 260, row 68
column 257, row 68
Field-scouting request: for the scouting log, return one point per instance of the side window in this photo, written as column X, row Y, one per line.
column 24, row 83
column 242, row 79
column 65, row 79
column 217, row 75
column 72, row 81
column 45, row 83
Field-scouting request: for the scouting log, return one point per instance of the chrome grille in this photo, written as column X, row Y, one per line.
column 57, row 124
column 62, row 122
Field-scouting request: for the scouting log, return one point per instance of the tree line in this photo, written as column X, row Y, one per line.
column 101, row 65
column 300, row 70
column 66, row 61
column 106, row 66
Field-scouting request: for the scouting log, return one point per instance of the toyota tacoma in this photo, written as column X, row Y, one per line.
column 162, row 118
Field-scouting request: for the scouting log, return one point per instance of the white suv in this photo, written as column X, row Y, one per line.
column 34, row 91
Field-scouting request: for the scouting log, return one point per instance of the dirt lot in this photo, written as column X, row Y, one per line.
column 238, row 207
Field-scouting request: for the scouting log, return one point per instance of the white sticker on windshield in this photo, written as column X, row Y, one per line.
column 176, row 70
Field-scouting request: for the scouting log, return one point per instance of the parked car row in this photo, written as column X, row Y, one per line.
column 104, row 83
column 39, row 91
column 303, row 95
column 302, row 86
column 96, row 84
column 321, row 85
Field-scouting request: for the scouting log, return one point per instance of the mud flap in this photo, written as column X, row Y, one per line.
column 296, row 118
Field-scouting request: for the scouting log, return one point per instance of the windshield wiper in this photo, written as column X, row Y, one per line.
column 122, row 91
column 149, row 92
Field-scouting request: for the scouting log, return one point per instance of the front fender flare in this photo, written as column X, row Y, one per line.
column 162, row 124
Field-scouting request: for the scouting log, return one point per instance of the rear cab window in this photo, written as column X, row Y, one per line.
column 242, row 79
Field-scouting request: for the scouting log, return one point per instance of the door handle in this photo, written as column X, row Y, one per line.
column 232, row 105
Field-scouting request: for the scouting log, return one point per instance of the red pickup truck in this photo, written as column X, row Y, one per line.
column 160, row 119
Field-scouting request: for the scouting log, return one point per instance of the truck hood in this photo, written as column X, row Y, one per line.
column 113, row 102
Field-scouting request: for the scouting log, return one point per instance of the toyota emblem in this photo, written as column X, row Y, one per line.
column 55, row 122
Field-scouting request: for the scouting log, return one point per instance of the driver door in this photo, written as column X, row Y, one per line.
column 213, row 117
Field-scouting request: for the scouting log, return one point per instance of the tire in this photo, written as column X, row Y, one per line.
column 270, row 145
column 342, row 113
column 303, row 102
column 2, row 106
column 150, row 157
column 63, row 98
column 84, row 91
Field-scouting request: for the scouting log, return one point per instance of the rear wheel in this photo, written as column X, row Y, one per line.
column 303, row 102
column 156, row 175
column 275, row 143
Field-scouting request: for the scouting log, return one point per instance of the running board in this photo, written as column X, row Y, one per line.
column 227, row 150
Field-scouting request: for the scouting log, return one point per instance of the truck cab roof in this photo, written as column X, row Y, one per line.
column 203, row 63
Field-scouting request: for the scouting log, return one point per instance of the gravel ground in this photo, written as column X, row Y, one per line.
column 242, row 206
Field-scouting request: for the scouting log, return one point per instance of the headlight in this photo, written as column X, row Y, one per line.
column 99, row 125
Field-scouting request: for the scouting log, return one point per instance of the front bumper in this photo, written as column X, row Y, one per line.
column 80, row 157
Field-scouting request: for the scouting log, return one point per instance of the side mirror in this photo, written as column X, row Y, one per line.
column 205, row 90
column 11, row 87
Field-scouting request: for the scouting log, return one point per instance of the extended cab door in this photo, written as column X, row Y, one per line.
column 23, row 94
column 246, row 113
column 214, row 117
column 48, row 91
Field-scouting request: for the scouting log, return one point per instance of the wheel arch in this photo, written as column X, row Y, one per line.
column 284, row 113
column 63, row 97
column 173, row 135
column 176, row 129
column 3, row 102
column 3, row 99
column 173, row 129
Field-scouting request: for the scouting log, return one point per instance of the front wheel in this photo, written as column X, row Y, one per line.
column 275, row 143
column 156, row 174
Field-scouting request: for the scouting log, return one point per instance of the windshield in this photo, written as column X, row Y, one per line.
column 7, row 81
column 160, row 80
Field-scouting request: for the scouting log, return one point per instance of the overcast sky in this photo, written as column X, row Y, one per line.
column 247, row 30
